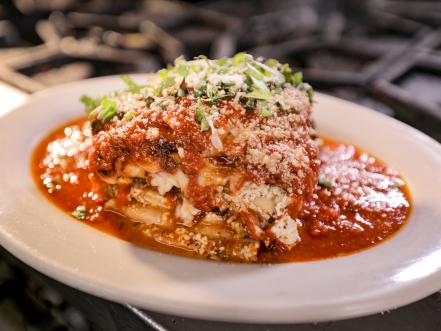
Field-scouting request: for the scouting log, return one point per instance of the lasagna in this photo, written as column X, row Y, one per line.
column 216, row 157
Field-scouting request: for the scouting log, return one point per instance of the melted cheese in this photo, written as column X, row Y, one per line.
column 285, row 231
column 165, row 181
column 132, row 170
column 149, row 198
column 143, row 214
column 267, row 200
column 186, row 211
column 211, row 175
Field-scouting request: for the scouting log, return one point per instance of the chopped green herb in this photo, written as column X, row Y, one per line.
column 132, row 86
column 308, row 89
column 255, row 73
column 239, row 58
column 273, row 63
column 326, row 182
column 163, row 73
column 211, row 92
column 129, row 115
column 222, row 61
column 263, row 107
column 182, row 71
column 80, row 212
column 90, row 103
column 267, row 70
column 252, row 82
column 195, row 68
column 287, row 72
column 108, row 109
column 202, row 90
column 179, row 60
column 261, row 86
column 278, row 89
column 265, row 112
column 297, row 78
column 168, row 81
column 250, row 104
column 201, row 57
column 200, row 116
column 259, row 94
column 227, row 85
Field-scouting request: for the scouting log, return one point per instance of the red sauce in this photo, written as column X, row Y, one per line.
column 359, row 202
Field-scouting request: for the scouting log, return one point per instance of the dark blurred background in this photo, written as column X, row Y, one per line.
column 385, row 54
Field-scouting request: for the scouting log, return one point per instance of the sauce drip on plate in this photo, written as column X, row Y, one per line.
column 358, row 202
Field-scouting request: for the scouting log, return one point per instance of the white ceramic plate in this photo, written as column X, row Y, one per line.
column 401, row 270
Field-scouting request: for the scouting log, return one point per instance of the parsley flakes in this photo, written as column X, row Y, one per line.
column 132, row 86
column 80, row 213
column 108, row 109
column 89, row 103
column 200, row 117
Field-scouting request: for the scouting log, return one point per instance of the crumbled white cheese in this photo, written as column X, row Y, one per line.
column 214, row 138
column 186, row 212
column 193, row 79
column 181, row 152
column 268, row 200
column 285, row 230
column 165, row 181
column 236, row 79
column 153, row 133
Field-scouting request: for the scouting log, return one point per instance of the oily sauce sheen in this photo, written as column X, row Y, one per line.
column 358, row 202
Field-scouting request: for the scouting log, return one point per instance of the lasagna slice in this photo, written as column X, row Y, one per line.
column 212, row 156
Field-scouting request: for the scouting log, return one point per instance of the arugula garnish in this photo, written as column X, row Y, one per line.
column 297, row 78
column 239, row 58
column 108, row 110
column 132, row 86
column 90, row 103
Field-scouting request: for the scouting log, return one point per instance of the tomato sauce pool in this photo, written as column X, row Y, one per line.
column 358, row 202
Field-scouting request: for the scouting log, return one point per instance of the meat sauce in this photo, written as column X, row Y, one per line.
column 358, row 202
